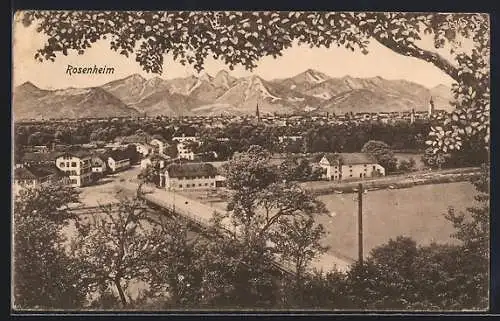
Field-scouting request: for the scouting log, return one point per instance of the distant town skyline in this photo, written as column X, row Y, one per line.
column 334, row 62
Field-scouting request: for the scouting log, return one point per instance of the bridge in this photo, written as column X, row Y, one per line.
column 200, row 215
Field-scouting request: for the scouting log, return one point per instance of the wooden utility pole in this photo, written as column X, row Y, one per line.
column 360, row 223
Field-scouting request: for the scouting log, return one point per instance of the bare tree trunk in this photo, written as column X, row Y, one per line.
column 120, row 291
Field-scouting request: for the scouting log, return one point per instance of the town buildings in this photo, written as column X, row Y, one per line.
column 35, row 176
column 189, row 176
column 31, row 158
column 184, row 146
column 99, row 164
column 350, row 166
column 118, row 160
column 78, row 165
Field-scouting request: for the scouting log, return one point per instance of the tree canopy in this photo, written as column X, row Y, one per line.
column 382, row 153
column 44, row 274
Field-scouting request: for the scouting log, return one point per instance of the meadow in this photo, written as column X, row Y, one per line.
column 417, row 212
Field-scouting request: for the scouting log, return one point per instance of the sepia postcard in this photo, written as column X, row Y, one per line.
column 250, row 161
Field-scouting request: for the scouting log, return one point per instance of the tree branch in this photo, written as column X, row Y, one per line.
column 417, row 52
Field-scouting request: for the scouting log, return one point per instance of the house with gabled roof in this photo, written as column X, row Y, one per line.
column 350, row 166
column 189, row 176
column 99, row 163
column 118, row 160
column 34, row 158
column 35, row 176
column 78, row 165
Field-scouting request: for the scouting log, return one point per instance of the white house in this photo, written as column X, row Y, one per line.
column 118, row 161
column 183, row 139
column 183, row 150
column 350, row 166
column 189, row 176
column 78, row 166
column 99, row 164
column 282, row 139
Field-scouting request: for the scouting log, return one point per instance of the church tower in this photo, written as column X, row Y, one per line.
column 431, row 107
column 412, row 116
column 257, row 113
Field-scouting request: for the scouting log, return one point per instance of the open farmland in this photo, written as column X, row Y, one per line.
column 417, row 212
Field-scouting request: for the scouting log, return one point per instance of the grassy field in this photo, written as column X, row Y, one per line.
column 417, row 212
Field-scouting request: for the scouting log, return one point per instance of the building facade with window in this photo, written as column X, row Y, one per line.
column 99, row 164
column 78, row 165
column 30, row 158
column 36, row 176
column 118, row 161
column 189, row 176
column 183, row 149
column 350, row 166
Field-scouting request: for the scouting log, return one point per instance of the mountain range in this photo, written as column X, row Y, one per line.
column 310, row 91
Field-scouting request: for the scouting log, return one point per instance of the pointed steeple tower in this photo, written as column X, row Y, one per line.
column 257, row 113
column 412, row 116
column 431, row 107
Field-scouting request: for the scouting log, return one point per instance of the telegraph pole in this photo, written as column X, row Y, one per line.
column 173, row 203
column 360, row 223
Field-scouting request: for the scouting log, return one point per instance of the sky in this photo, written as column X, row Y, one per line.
column 335, row 62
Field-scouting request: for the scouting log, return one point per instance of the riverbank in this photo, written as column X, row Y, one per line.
column 394, row 182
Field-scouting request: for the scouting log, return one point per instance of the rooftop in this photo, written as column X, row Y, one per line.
column 36, row 172
column 351, row 158
column 118, row 155
column 190, row 170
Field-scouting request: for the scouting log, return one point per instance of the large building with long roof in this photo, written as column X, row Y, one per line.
column 350, row 166
column 189, row 176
